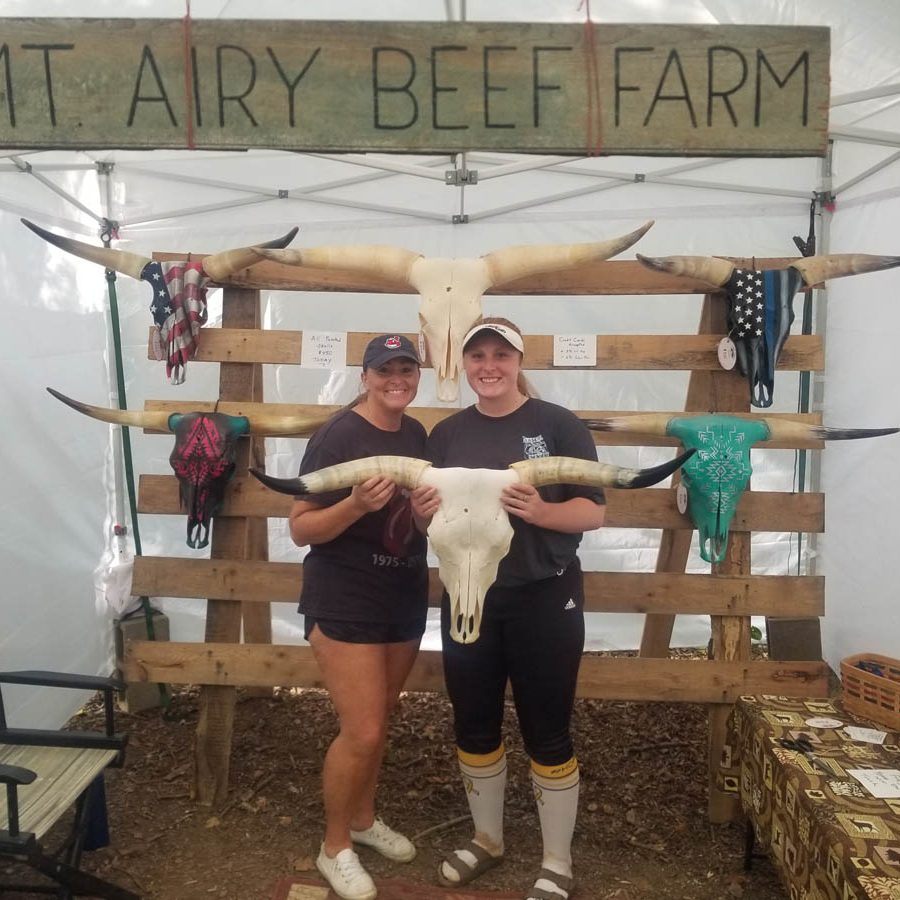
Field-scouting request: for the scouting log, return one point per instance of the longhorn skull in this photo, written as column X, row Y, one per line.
column 717, row 475
column 470, row 532
column 179, row 289
column 450, row 290
column 203, row 456
column 760, row 303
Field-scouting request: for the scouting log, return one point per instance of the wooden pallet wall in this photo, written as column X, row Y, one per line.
column 240, row 584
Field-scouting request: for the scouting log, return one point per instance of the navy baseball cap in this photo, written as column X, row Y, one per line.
column 386, row 347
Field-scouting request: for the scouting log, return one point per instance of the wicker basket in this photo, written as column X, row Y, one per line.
column 875, row 697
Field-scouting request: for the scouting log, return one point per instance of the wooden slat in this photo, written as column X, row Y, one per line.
column 63, row 773
column 622, row 352
column 647, row 508
column 614, row 277
column 622, row 592
column 607, row 678
column 429, row 416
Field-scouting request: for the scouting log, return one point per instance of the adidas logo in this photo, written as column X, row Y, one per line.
column 570, row 604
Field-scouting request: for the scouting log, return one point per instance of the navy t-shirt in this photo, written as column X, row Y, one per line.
column 376, row 570
column 537, row 428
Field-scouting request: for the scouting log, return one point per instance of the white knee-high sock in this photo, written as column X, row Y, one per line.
column 556, row 793
column 484, row 778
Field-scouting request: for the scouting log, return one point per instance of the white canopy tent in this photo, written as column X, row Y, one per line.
column 64, row 492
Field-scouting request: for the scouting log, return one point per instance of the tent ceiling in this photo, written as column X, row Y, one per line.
column 460, row 188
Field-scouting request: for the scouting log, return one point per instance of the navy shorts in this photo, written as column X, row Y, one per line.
column 366, row 632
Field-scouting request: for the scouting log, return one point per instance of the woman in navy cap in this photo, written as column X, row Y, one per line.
column 364, row 599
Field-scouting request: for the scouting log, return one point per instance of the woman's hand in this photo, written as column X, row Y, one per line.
column 425, row 501
column 524, row 501
column 373, row 494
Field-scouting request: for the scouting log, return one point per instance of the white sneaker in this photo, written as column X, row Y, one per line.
column 345, row 874
column 386, row 841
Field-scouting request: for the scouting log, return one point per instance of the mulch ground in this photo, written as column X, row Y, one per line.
column 642, row 830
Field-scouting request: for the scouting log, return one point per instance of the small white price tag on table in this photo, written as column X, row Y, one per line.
column 324, row 350
column 574, row 350
column 866, row 735
column 881, row 783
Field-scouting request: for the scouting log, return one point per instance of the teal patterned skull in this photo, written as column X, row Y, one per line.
column 716, row 475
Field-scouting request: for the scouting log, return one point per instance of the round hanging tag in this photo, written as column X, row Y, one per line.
column 727, row 353
column 681, row 498
column 422, row 354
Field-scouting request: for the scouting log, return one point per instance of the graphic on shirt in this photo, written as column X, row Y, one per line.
column 534, row 447
column 399, row 529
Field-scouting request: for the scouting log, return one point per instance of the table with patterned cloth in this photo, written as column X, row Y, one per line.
column 831, row 839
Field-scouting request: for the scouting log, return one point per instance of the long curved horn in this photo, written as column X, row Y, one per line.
column 371, row 259
column 647, row 423
column 521, row 261
column 300, row 426
column 120, row 260
column 157, row 421
column 780, row 430
column 710, row 269
column 405, row 470
column 220, row 265
column 568, row 470
column 816, row 269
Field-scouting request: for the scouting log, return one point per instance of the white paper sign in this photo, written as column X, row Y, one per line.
column 574, row 350
column 881, row 783
column 866, row 735
column 324, row 350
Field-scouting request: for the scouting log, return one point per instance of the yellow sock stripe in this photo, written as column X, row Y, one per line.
column 477, row 760
column 552, row 772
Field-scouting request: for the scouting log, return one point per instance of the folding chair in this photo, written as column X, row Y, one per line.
column 45, row 772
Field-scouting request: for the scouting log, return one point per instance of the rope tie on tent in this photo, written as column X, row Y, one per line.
column 188, row 77
column 593, row 126
column 106, row 235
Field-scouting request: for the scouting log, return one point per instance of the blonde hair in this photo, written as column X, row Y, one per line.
column 524, row 386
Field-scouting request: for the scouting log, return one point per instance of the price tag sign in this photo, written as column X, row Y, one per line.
column 574, row 350
column 324, row 350
column 727, row 353
column 681, row 498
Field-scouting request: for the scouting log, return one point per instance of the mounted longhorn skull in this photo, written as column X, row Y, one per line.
column 470, row 532
column 203, row 456
column 179, row 289
column 760, row 302
column 717, row 475
column 450, row 290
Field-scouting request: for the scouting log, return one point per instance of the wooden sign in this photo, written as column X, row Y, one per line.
column 417, row 87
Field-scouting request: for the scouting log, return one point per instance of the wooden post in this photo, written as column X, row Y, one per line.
column 233, row 538
column 675, row 546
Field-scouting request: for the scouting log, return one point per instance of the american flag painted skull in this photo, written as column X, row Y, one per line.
column 760, row 302
column 178, row 306
column 716, row 476
column 203, row 458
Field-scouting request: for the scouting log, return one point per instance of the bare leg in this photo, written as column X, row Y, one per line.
column 399, row 659
column 363, row 681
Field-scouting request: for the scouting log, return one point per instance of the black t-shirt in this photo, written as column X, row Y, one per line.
column 376, row 570
column 535, row 429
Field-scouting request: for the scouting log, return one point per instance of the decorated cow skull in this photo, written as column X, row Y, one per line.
column 760, row 302
column 179, row 290
column 716, row 476
column 450, row 290
column 203, row 458
column 471, row 532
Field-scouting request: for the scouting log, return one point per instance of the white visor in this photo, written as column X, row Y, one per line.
column 513, row 338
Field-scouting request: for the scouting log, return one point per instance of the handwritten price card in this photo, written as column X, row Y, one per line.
column 574, row 350
column 324, row 350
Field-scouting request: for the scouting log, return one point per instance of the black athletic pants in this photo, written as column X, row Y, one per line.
column 532, row 635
